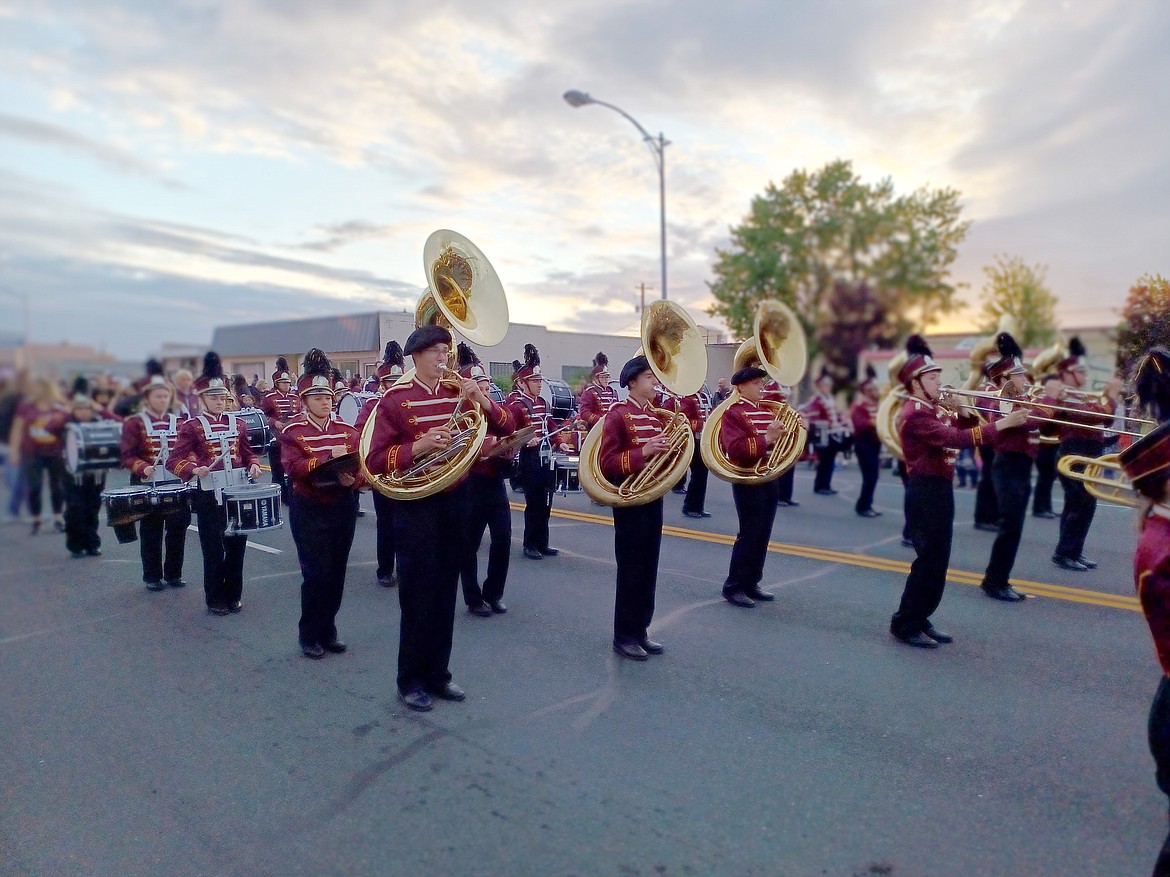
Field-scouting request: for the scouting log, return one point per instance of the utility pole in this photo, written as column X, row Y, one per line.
column 643, row 287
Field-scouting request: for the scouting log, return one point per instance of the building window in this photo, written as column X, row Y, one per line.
column 348, row 367
column 576, row 376
column 251, row 371
column 500, row 369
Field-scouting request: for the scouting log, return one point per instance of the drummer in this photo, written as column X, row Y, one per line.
column 322, row 512
column 83, row 490
column 197, row 455
column 147, row 440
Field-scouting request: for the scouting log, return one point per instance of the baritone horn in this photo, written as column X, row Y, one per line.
column 464, row 294
column 677, row 355
column 777, row 346
column 1091, row 471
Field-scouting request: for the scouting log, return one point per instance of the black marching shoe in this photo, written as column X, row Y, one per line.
column 651, row 647
column 155, row 586
column 390, row 581
column 739, row 598
column 681, row 491
column 870, row 513
column 919, row 640
column 482, row 609
column 219, row 609
column 1089, row 564
column 1006, row 593
column 447, row 691
column 94, row 552
column 533, row 554
column 825, row 491
column 176, row 583
column 756, row 594
column 937, row 635
column 417, row 700
column 549, row 552
column 630, row 649
column 1069, row 563
column 498, row 606
column 312, row 650
column 1047, row 516
column 237, row 606
column 336, row 646
column 697, row 514
column 987, row 528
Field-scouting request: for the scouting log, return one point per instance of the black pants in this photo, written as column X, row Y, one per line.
column 223, row 556
column 869, row 462
column 1045, row 477
column 697, row 486
column 487, row 508
column 323, row 533
column 384, row 508
column 755, row 504
column 539, row 482
column 277, row 467
column 83, row 502
column 1159, row 737
column 36, row 469
column 1079, row 504
column 157, row 532
column 637, row 540
column 1012, row 476
column 429, row 534
column 986, row 510
column 930, row 516
column 784, row 485
column 825, row 457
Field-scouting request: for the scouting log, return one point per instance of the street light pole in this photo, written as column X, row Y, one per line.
column 657, row 146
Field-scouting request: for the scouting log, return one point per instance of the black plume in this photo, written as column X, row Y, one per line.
column 281, row 365
column 1075, row 347
column 466, row 355
column 335, row 375
column 240, row 386
column 393, row 354
column 917, row 344
column 1151, row 381
column 601, row 359
column 212, row 367
column 316, row 363
column 517, row 365
column 80, row 386
column 153, row 367
column 1007, row 346
column 870, row 372
column 531, row 355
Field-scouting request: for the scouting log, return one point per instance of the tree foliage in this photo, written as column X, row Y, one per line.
column 1021, row 291
column 854, row 260
column 1145, row 320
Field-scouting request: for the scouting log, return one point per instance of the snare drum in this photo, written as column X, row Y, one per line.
column 251, row 508
column 92, row 446
column 170, row 498
column 254, row 424
column 125, row 505
column 566, row 467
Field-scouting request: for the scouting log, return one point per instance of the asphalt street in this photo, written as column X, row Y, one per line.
column 141, row 736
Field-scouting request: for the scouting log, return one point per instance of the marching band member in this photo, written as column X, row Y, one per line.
column 487, row 508
column 866, row 442
column 38, row 450
column 148, row 438
column 598, row 396
column 1085, row 441
column 322, row 516
column 696, row 480
column 775, row 392
column 279, row 405
column 1011, row 473
column 83, row 490
column 388, row 371
column 412, row 421
column 829, row 426
column 243, row 393
column 197, row 454
column 631, row 437
column 1147, row 464
column 528, row 408
column 749, row 432
column 929, row 443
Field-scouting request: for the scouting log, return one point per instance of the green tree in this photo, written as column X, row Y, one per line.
column 850, row 258
column 1021, row 291
column 1145, row 320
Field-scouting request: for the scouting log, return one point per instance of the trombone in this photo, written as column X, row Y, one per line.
column 951, row 397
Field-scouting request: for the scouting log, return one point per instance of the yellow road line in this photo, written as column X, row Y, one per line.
column 901, row 567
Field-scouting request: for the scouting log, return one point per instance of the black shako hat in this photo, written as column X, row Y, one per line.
column 632, row 369
column 424, row 337
column 748, row 373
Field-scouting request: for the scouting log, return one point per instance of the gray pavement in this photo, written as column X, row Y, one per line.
column 142, row 736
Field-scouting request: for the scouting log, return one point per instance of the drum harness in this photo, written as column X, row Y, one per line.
column 228, row 476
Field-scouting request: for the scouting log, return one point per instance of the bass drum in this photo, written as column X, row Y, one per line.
column 350, row 406
column 92, row 446
column 255, row 425
column 559, row 397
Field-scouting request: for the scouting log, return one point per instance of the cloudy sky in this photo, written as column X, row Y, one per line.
column 167, row 166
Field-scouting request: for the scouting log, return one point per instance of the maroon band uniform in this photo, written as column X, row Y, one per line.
column 595, row 401
column 536, row 475
column 279, row 408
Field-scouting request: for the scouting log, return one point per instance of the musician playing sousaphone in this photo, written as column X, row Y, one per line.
column 199, row 454
column 148, row 439
column 322, row 513
column 1147, row 465
column 387, row 372
column 412, row 424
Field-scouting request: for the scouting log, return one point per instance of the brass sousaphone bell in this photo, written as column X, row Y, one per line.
column 677, row 355
column 777, row 346
column 464, row 294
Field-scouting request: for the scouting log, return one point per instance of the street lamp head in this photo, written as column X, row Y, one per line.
column 576, row 98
